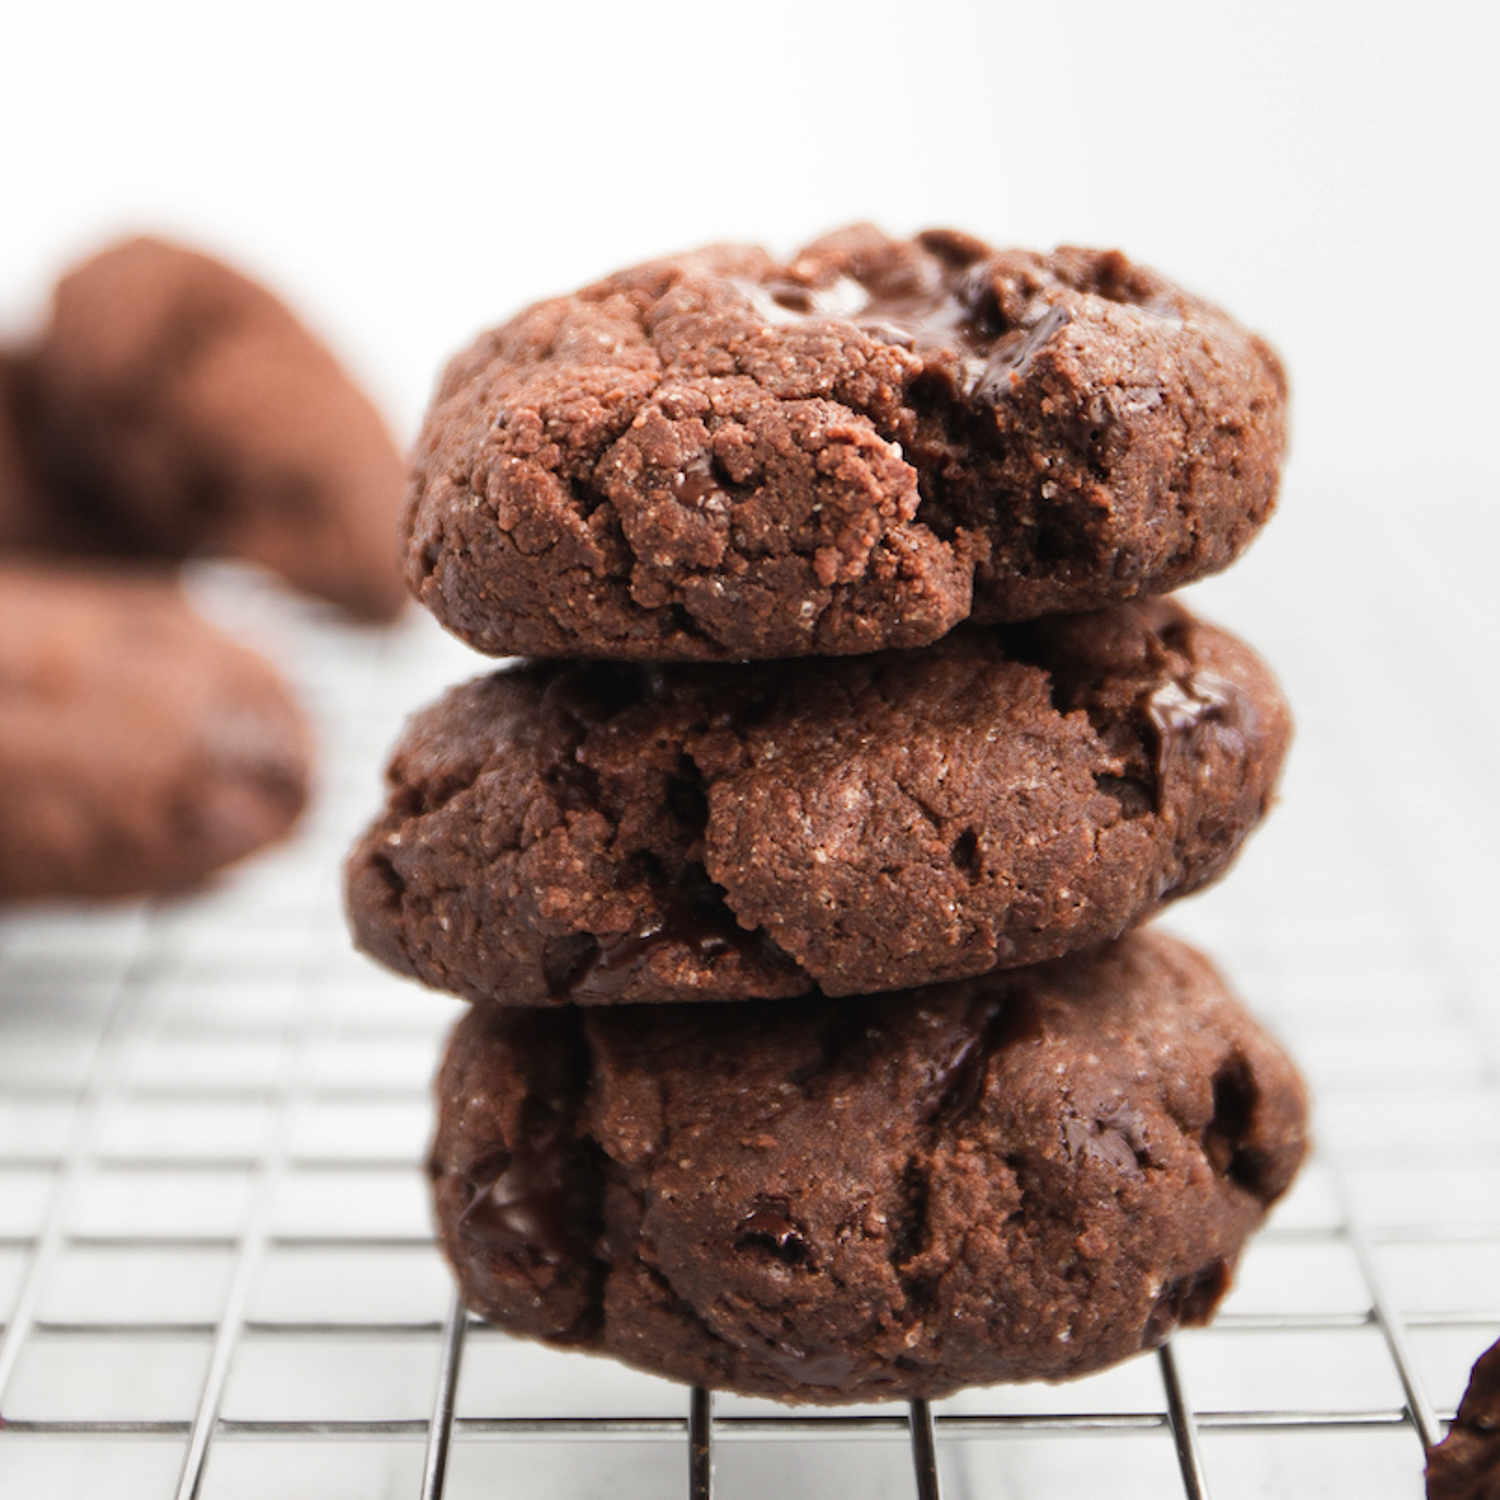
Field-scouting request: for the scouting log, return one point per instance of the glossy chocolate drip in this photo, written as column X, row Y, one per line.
column 1179, row 713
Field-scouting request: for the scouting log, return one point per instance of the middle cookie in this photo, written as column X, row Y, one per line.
column 599, row 833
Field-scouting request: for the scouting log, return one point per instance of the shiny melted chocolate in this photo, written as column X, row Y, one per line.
column 770, row 1223
column 1188, row 1299
column 1117, row 1141
column 524, row 1208
column 771, row 1228
column 949, row 311
column 1015, row 1021
column 533, row 1199
column 1180, row 711
column 681, row 922
column 696, row 486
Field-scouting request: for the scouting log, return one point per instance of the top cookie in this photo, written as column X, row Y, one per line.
column 717, row 456
column 182, row 408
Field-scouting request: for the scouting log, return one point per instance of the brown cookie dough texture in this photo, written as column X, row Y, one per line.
column 184, row 409
column 1466, row 1464
column 717, row 456
column 140, row 749
column 1021, row 1177
column 606, row 832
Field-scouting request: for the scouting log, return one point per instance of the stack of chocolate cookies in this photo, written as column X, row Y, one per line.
column 796, row 880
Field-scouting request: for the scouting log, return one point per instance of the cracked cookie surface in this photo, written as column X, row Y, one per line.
column 717, row 456
column 1025, row 1176
column 609, row 833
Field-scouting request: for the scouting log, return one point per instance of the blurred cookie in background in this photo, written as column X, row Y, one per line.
column 175, row 407
column 140, row 748
column 23, row 513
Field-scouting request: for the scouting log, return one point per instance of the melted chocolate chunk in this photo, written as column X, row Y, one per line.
column 683, row 923
column 1180, row 711
column 1013, row 353
column 536, row 1199
column 1017, row 1019
column 695, row 485
column 952, row 310
column 525, row 1206
column 1188, row 1299
column 1118, row 1140
column 771, row 1228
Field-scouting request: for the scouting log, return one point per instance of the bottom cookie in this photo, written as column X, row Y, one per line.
column 1024, row 1176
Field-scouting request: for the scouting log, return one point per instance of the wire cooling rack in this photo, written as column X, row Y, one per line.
column 217, row 1273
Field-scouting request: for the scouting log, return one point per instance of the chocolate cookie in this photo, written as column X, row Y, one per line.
column 612, row 833
column 1021, row 1177
column 20, row 505
column 718, row 456
column 183, row 409
column 140, row 749
column 1466, row 1464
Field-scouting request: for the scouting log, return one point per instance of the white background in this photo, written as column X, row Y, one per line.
column 406, row 174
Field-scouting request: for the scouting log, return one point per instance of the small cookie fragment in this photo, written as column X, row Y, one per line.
column 716, row 456
column 608, row 833
column 184, row 409
column 1026, row 1176
column 1466, row 1464
column 140, row 748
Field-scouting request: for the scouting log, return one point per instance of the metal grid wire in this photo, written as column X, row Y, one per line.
column 217, row 1275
